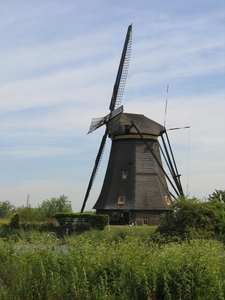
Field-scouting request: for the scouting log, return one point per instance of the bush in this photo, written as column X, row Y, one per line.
column 39, row 226
column 4, row 224
column 192, row 218
column 15, row 222
column 96, row 221
column 99, row 221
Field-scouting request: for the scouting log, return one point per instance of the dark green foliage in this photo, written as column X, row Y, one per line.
column 54, row 205
column 39, row 226
column 4, row 224
column 14, row 235
column 99, row 221
column 95, row 220
column 15, row 222
column 192, row 218
column 220, row 216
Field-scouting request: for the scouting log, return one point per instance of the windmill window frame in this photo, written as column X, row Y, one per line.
column 168, row 200
column 121, row 199
column 145, row 222
column 124, row 174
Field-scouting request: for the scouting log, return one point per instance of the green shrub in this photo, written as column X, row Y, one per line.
column 15, row 222
column 4, row 224
column 39, row 226
column 192, row 218
column 99, row 221
column 96, row 221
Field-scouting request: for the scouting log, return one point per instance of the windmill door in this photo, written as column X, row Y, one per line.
column 124, row 218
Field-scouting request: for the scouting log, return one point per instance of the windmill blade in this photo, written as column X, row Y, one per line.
column 121, row 77
column 95, row 169
column 98, row 122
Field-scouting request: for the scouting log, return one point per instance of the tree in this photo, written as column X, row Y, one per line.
column 6, row 209
column 193, row 218
column 220, row 221
column 30, row 214
column 54, row 205
column 218, row 194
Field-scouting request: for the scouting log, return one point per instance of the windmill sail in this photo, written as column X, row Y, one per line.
column 98, row 122
column 115, row 101
column 121, row 77
column 95, row 169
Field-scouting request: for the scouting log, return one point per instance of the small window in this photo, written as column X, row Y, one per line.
column 145, row 221
column 168, row 200
column 124, row 174
column 121, row 200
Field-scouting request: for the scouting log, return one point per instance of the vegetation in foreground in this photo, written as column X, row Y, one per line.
column 110, row 265
column 182, row 259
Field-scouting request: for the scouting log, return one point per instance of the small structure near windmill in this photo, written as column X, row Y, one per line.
column 135, row 187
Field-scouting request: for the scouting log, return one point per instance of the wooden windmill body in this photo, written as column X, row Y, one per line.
column 135, row 187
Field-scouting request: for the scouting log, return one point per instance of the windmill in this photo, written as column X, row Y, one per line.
column 135, row 187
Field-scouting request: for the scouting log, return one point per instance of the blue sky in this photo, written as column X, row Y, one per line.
column 58, row 66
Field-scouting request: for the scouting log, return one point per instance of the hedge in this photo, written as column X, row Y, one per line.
column 95, row 220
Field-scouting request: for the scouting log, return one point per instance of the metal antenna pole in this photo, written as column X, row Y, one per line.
column 189, row 134
column 167, row 91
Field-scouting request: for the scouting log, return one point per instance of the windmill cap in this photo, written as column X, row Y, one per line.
column 122, row 123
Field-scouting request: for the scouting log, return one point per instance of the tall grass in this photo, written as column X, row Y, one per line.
column 110, row 265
